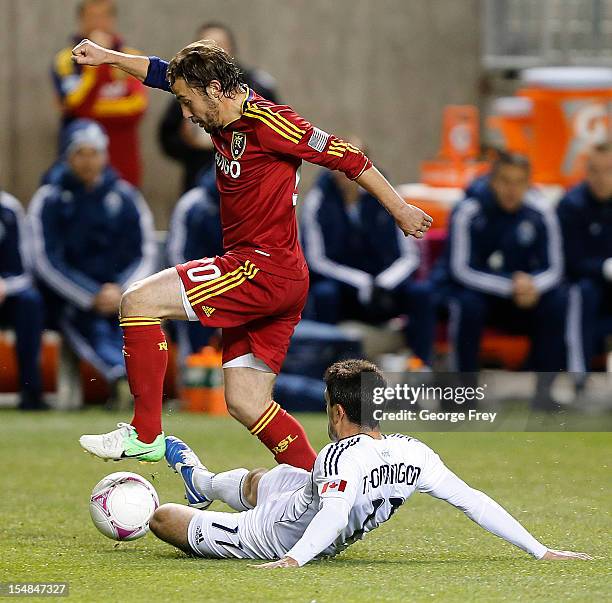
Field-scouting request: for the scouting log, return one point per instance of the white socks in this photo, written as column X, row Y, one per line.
column 226, row 486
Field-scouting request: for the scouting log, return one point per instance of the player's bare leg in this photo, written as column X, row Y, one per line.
column 248, row 394
column 170, row 523
column 157, row 295
column 143, row 306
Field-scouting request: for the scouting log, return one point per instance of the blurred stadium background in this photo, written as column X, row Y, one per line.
column 419, row 82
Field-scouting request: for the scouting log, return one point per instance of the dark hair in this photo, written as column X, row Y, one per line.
column 218, row 25
column 507, row 158
column 351, row 383
column 202, row 62
column 81, row 6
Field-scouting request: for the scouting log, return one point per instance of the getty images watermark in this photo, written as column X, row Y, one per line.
column 487, row 401
column 409, row 394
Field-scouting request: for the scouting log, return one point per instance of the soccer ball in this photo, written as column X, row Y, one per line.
column 121, row 505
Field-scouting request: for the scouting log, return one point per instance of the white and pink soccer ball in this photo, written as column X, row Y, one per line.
column 121, row 505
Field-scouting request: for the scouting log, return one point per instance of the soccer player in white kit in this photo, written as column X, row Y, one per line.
column 358, row 481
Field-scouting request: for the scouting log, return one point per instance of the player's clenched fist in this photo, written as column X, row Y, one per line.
column 413, row 221
column 87, row 52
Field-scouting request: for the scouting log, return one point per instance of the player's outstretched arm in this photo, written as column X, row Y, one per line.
column 410, row 219
column 321, row 532
column 491, row 516
column 87, row 52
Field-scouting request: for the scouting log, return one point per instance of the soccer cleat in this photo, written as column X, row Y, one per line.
column 123, row 443
column 184, row 460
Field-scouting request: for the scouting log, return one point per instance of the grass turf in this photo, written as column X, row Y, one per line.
column 557, row 484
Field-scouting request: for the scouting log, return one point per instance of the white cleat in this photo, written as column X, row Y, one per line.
column 123, row 443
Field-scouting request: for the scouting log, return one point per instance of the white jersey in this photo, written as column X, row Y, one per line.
column 373, row 476
column 356, row 484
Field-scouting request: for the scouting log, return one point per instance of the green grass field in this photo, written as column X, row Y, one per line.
column 558, row 485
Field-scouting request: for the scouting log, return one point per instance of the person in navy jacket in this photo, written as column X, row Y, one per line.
column 195, row 232
column 21, row 306
column 92, row 236
column 585, row 214
column 506, row 268
column 361, row 264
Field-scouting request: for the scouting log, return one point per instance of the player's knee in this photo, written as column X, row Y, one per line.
column 234, row 408
column 251, row 484
column 248, row 394
column 136, row 301
column 160, row 519
column 239, row 405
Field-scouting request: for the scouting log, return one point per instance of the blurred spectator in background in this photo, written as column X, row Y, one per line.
column 506, row 267
column 195, row 232
column 93, row 236
column 189, row 144
column 21, row 306
column 586, row 221
column 361, row 264
column 109, row 96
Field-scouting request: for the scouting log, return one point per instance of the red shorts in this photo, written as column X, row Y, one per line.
column 257, row 311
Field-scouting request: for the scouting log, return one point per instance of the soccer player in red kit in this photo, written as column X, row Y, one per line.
column 256, row 291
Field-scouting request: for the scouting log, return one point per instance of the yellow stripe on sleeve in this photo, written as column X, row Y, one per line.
column 276, row 119
column 285, row 120
column 264, row 118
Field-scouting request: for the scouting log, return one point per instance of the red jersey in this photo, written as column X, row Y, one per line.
column 258, row 158
column 109, row 96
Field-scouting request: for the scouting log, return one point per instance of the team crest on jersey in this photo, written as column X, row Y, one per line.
column 238, row 145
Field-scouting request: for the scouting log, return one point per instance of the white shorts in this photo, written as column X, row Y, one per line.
column 247, row 535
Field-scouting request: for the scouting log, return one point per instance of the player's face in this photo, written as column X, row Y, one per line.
column 197, row 107
column 510, row 184
column 87, row 164
column 98, row 16
column 599, row 175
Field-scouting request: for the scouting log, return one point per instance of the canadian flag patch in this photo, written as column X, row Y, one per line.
column 338, row 485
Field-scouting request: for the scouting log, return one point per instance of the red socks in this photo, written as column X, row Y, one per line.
column 146, row 357
column 284, row 437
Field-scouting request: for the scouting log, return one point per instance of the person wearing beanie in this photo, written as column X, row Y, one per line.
column 115, row 100
column 92, row 237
